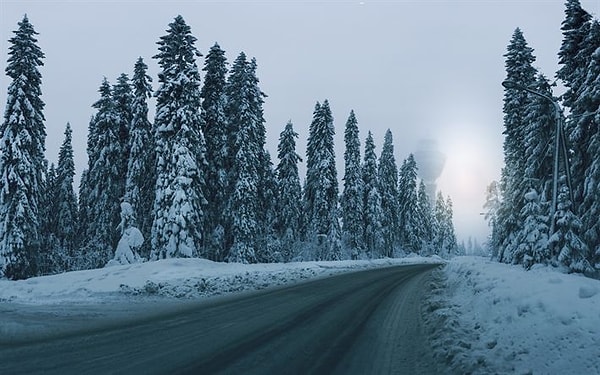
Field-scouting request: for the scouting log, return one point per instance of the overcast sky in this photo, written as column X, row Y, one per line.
column 424, row 69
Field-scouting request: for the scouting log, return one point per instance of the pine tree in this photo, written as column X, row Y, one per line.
column 123, row 99
column 565, row 244
column 519, row 69
column 439, row 228
column 289, row 192
column 250, row 163
column 105, row 184
column 352, row 198
column 533, row 239
column 48, row 206
column 574, row 55
column 141, row 167
column 407, row 205
column 424, row 220
column 451, row 246
column 388, row 189
column 66, row 201
column 321, row 188
column 179, row 203
column 22, row 146
column 217, row 150
column 372, row 216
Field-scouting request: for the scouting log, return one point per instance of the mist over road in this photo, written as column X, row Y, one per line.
column 366, row 322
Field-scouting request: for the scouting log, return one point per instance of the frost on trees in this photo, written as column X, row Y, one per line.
column 179, row 203
column 22, row 138
column 131, row 239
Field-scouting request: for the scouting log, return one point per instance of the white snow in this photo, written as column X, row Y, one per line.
column 177, row 277
column 496, row 318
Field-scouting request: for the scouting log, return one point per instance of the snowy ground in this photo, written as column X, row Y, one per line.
column 181, row 278
column 491, row 318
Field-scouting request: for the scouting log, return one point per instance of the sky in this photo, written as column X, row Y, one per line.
column 428, row 69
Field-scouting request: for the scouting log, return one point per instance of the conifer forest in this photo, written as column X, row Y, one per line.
column 198, row 181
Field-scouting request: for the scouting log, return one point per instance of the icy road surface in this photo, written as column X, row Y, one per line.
column 353, row 323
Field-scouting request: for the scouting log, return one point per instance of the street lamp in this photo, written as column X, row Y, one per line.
column 559, row 144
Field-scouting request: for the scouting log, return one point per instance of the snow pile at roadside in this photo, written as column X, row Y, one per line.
column 490, row 318
column 182, row 278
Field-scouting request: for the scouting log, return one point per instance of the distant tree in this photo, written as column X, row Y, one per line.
column 22, row 164
column 388, row 189
column 424, row 219
column 217, row 151
column 289, row 203
column 141, row 167
column 407, row 198
column 48, row 206
column 372, row 216
column 179, row 204
column 321, row 188
column 491, row 206
column 451, row 247
column 352, row 198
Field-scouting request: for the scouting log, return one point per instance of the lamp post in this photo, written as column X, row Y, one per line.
column 559, row 144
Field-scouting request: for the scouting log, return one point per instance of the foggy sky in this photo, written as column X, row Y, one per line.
column 424, row 69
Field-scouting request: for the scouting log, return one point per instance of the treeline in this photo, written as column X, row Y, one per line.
column 199, row 178
column 520, row 205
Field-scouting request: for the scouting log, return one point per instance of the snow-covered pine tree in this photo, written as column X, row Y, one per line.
column 439, row 218
column 590, row 207
column 407, row 205
column 217, row 150
column 574, row 57
column 66, row 200
column 179, row 204
column 565, row 244
column 104, row 184
column 22, row 164
column 141, row 167
column 451, row 246
column 247, row 175
column 289, row 203
column 352, row 198
column 388, row 189
column 424, row 220
column 491, row 206
column 123, row 98
column 533, row 238
column 48, row 206
column 372, row 214
column 519, row 69
column 321, row 186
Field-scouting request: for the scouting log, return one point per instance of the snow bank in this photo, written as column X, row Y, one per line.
column 182, row 278
column 490, row 318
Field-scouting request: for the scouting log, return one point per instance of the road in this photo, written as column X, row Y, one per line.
column 366, row 322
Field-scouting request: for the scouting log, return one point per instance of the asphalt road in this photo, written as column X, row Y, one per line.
column 365, row 322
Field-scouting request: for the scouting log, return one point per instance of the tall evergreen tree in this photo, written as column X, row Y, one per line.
column 388, row 189
column 352, row 198
column 141, row 167
column 424, row 220
column 566, row 245
column 574, row 56
column 321, row 188
column 289, row 203
column 48, row 207
column 249, row 162
column 372, row 215
column 407, row 203
column 66, row 200
column 217, row 150
column 179, row 204
column 22, row 164
column 519, row 69
column 123, row 99
column 104, row 185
